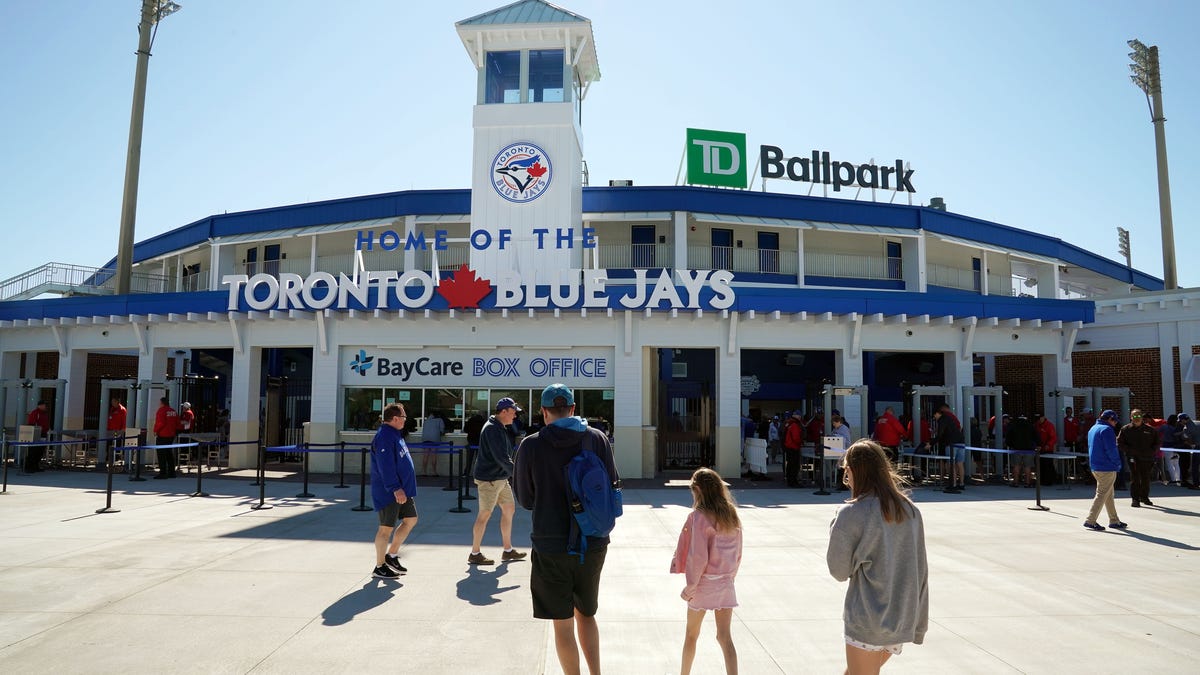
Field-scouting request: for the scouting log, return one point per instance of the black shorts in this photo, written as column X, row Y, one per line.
column 390, row 515
column 560, row 585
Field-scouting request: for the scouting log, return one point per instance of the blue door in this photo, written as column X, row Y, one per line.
column 722, row 249
column 768, row 252
column 642, row 248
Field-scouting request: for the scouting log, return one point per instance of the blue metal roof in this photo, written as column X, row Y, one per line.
column 667, row 198
column 523, row 11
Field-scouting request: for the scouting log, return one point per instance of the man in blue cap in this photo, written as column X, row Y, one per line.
column 565, row 588
column 493, row 468
column 1105, row 461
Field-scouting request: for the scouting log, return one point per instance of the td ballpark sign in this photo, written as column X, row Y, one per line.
column 462, row 289
column 719, row 158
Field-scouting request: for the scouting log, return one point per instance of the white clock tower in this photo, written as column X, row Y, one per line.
column 535, row 63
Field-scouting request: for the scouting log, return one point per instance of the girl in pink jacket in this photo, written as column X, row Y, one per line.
column 708, row 554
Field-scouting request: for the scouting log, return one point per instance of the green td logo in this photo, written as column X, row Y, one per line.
column 716, row 158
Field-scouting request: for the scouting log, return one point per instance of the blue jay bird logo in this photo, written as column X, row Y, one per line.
column 521, row 172
column 362, row 364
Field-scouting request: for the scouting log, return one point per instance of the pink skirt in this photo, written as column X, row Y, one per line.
column 714, row 591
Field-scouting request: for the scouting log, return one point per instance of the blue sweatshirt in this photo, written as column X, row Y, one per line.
column 1102, row 448
column 391, row 468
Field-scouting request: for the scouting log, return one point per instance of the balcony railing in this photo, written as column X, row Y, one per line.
column 953, row 277
column 849, row 266
column 749, row 260
column 64, row 279
column 634, row 256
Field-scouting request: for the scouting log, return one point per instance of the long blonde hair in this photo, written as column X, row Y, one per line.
column 874, row 475
column 710, row 495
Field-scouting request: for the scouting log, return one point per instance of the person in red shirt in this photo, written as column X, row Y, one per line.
column 890, row 433
column 166, row 425
column 1047, row 442
column 187, row 419
column 38, row 417
column 1070, row 428
column 793, row 440
column 115, row 428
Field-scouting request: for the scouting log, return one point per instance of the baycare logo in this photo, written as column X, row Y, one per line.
column 362, row 363
column 521, row 172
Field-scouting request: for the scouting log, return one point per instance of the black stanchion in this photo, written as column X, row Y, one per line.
column 137, row 462
column 819, row 457
column 1037, row 484
column 362, row 482
column 199, row 474
column 464, row 459
column 262, row 479
column 5, row 459
column 451, row 477
column 305, row 494
column 108, row 487
column 460, row 508
column 342, row 466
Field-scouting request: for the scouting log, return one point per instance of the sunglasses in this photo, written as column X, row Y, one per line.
column 1135, row 417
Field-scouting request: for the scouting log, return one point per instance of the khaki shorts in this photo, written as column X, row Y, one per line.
column 493, row 492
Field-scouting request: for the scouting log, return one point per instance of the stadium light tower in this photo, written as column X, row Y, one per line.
column 153, row 11
column 1146, row 77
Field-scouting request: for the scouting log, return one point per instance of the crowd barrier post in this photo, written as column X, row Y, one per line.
column 262, row 478
column 1037, row 483
column 342, row 466
column 362, row 482
column 305, row 493
column 200, row 472
column 468, row 453
column 108, row 489
column 4, row 458
column 460, row 508
column 451, row 478
column 819, row 458
column 137, row 462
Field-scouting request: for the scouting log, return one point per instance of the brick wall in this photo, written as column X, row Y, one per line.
column 1138, row 369
column 1021, row 377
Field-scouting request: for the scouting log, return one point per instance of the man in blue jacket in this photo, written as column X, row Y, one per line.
column 1105, row 462
column 393, row 490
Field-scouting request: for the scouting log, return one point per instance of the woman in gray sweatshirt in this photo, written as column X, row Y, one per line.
column 877, row 542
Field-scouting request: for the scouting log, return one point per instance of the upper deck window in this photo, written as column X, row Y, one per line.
column 546, row 76
column 503, row 83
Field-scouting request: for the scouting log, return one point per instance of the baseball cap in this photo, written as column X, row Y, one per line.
column 506, row 403
column 186, row 405
column 556, row 391
column 1108, row 415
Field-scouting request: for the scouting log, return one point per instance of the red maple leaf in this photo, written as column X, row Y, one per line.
column 537, row 170
column 464, row 290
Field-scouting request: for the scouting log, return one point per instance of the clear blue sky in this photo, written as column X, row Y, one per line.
column 1017, row 112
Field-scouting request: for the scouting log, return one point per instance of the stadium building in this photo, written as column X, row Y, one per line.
column 671, row 310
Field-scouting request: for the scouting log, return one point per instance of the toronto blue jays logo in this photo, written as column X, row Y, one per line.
column 362, row 364
column 521, row 172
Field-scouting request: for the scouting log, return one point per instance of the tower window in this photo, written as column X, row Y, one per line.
column 503, row 83
column 546, row 76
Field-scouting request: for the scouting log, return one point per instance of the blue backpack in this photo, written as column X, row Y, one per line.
column 595, row 499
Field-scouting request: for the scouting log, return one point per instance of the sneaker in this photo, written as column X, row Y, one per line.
column 393, row 562
column 1135, row 504
column 1147, row 502
column 952, row 490
column 512, row 556
column 479, row 559
column 1093, row 526
column 1118, row 525
column 385, row 572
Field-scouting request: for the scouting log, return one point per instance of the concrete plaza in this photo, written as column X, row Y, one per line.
column 180, row 584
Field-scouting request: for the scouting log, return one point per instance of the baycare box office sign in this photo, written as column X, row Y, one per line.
column 581, row 367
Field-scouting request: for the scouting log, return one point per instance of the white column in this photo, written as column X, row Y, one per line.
column 326, row 398
column 246, row 386
column 848, row 370
column 10, row 370
column 1187, row 334
column 73, row 369
column 633, row 454
column 679, row 237
column 1167, row 333
column 729, row 411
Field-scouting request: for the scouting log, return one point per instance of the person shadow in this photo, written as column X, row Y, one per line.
column 481, row 586
column 373, row 594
